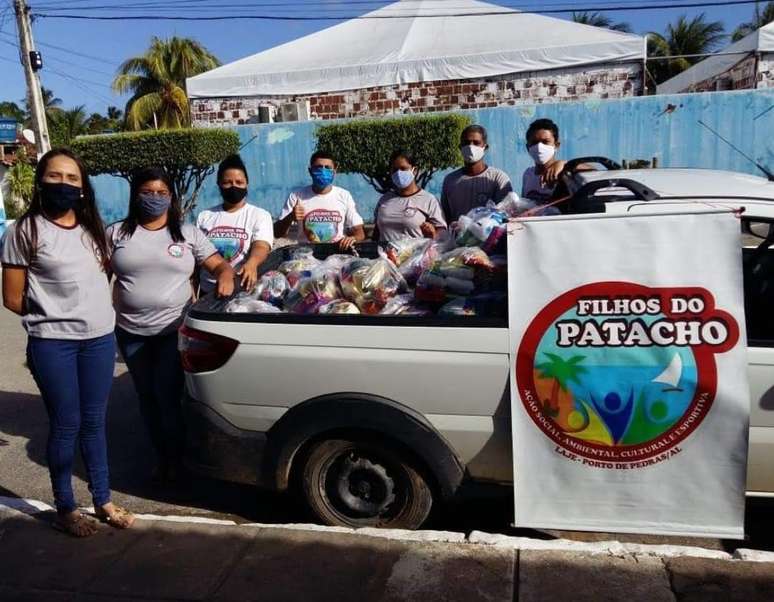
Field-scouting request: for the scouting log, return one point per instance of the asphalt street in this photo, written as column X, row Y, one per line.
column 23, row 427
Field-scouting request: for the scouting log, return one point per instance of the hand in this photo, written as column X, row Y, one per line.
column 428, row 230
column 225, row 285
column 551, row 175
column 347, row 243
column 248, row 275
column 298, row 212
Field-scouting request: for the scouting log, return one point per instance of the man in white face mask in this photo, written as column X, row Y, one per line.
column 539, row 181
column 475, row 183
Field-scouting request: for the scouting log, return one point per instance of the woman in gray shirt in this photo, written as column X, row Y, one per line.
column 54, row 277
column 153, row 257
column 409, row 211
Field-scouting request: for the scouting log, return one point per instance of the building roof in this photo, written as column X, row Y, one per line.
column 418, row 40
column 761, row 40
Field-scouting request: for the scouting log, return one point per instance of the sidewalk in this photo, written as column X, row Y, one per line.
column 163, row 560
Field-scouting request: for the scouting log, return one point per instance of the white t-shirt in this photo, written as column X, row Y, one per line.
column 328, row 217
column 233, row 233
column 532, row 187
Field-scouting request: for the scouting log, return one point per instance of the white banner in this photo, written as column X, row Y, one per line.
column 630, row 399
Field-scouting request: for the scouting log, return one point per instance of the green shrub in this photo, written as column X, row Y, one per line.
column 21, row 182
column 365, row 146
column 188, row 155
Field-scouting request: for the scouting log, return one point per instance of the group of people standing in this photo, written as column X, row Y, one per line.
column 58, row 262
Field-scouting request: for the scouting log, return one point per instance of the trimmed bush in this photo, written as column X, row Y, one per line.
column 365, row 146
column 188, row 155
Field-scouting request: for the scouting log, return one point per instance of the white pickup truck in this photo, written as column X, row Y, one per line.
column 373, row 419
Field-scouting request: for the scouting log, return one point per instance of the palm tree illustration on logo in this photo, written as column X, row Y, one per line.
column 562, row 371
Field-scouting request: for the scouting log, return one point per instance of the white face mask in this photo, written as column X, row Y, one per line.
column 541, row 153
column 472, row 153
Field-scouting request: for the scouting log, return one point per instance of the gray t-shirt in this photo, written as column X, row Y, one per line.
column 402, row 216
column 153, row 276
column 461, row 192
column 68, row 295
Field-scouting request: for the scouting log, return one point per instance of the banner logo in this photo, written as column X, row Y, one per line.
column 322, row 225
column 229, row 241
column 618, row 375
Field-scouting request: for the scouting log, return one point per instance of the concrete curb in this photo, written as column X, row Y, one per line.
column 23, row 507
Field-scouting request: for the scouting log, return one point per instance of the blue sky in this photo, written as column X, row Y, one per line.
column 85, row 78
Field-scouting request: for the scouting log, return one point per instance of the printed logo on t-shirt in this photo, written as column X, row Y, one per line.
column 175, row 250
column 322, row 225
column 229, row 241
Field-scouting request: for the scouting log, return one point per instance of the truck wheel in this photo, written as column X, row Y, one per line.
column 364, row 484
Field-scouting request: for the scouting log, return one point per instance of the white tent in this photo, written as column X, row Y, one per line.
column 761, row 40
column 418, row 40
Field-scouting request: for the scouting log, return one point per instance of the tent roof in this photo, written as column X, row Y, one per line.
column 399, row 43
column 761, row 40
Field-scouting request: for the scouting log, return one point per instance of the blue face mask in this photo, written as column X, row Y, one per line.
column 402, row 178
column 153, row 205
column 322, row 177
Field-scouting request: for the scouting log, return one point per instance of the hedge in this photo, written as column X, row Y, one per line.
column 365, row 146
column 188, row 155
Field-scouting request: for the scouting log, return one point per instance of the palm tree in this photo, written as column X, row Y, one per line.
column 20, row 179
column 760, row 18
column 156, row 81
column 600, row 20
column 12, row 110
column 51, row 104
column 562, row 371
column 114, row 113
column 66, row 125
column 683, row 37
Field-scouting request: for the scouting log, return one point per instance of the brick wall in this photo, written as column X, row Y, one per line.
column 604, row 81
column 741, row 76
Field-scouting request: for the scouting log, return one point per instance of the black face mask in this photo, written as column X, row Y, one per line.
column 59, row 197
column 233, row 195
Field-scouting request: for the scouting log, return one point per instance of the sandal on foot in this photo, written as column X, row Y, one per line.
column 120, row 518
column 77, row 525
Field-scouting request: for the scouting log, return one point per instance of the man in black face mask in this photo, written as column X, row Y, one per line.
column 242, row 233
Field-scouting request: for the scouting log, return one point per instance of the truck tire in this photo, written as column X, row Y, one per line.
column 358, row 483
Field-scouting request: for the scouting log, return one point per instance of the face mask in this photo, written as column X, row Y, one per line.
column 233, row 195
column 59, row 197
column 322, row 177
column 472, row 153
column 541, row 153
column 402, row 178
column 154, row 205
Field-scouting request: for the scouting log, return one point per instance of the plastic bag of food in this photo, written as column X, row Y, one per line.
column 461, row 306
column 370, row 283
column 481, row 227
column 404, row 305
column 339, row 306
column 471, row 257
column 302, row 253
column 488, row 304
column 513, row 206
column 400, row 251
column 433, row 286
column 312, row 292
column 336, row 262
column 296, row 269
column 245, row 304
column 272, row 288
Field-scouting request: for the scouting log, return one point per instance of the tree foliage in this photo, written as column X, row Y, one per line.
column 21, row 181
column 761, row 17
column 188, row 155
column 156, row 81
column 600, row 20
column 12, row 110
column 65, row 125
column 365, row 146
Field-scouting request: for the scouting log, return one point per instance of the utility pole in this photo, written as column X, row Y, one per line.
column 34, row 93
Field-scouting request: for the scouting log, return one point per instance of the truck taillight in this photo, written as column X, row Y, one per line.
column 203, row 351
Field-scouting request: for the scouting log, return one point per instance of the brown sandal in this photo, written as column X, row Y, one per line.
column 76, row 524
column 120, row 518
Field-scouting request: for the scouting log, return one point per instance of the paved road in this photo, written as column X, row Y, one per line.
column 23, row 426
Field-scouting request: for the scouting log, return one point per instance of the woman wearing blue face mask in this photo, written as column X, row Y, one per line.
column 153, row 256
column 409, row 211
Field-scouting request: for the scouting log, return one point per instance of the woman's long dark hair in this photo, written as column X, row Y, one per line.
column 174, row 215
column 86, row 212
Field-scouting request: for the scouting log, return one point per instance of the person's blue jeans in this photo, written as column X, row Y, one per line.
column 157, row 372
column 74, row 378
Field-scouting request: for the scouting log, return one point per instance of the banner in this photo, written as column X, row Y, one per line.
column 629, row 390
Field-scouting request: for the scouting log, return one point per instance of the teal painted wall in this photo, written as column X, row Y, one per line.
column 665, row 127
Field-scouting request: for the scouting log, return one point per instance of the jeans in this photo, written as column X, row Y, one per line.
column 154, row 363
column 74, row 378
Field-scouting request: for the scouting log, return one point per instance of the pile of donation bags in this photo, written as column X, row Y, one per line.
column 463, row 273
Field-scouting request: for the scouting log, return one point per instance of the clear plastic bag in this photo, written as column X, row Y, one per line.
column 339, row 306
column 272, row 288
column 302, row 253
column 370, row 283
column 296, row 269
column 246, row 304
column 513, row 206
column 481, row 227
column 404, row 305
column 313, row 291
column 336, row 262
column 471, row 257
column 400, row 251
column 433, row 286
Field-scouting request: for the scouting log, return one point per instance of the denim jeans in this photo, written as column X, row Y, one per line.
column 74, row 378
column 154, row 363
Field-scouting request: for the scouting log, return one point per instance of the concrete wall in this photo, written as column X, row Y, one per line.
column 742, row 76
column 598, row 82
column 665, row 127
